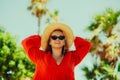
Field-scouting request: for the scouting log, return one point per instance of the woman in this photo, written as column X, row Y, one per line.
column 54, row 61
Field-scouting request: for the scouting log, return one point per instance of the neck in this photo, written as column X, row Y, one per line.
column 56, row 53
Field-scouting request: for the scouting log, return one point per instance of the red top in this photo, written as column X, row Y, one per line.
column 46, row 66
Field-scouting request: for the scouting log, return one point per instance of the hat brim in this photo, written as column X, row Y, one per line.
column 53, row 26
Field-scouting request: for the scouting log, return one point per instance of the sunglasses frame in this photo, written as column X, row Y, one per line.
column 54, row 37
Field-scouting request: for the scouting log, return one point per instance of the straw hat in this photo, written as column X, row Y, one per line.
column 53, row 26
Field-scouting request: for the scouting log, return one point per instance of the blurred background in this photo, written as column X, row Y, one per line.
column 95, row 20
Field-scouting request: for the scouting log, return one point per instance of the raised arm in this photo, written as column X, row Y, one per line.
column 31, row 46
column 82, row 48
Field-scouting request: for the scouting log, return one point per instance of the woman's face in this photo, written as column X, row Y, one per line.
column 57, row 39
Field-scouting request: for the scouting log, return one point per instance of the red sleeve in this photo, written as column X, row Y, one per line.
column 31, row 46
column 82, row 48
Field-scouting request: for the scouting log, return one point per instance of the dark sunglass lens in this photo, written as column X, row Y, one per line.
column 54, row 37
column 61, row 37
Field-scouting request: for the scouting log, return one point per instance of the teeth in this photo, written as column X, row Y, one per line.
column 57, row 43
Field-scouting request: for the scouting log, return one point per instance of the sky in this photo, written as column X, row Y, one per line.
column 78, row 14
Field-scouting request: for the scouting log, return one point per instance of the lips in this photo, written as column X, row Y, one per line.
column 57, row 43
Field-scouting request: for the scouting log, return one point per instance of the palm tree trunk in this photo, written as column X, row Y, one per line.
column 39, row 18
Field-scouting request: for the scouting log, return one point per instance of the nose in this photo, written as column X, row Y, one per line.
column 58, row 40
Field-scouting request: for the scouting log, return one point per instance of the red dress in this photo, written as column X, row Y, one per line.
column 46, row 66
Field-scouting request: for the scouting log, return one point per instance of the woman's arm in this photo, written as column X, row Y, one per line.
column 31, row 46
column 82, row 48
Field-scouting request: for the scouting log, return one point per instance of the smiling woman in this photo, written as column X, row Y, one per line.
column 54, row 61
column 57, row 44
column 57, row 40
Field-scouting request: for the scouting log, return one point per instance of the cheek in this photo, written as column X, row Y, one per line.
column 63, row 42
column 51, row 42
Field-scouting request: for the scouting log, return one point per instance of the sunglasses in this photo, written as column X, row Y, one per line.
column 59, row 37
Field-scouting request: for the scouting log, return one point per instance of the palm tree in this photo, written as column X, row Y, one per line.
column 105, row 43
column 39, row 9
